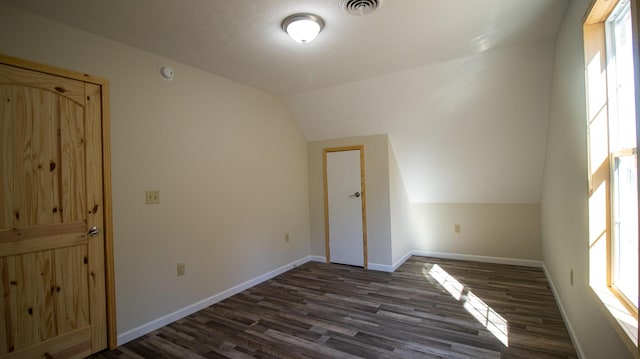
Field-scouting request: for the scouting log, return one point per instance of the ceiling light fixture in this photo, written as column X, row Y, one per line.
column 302, row 28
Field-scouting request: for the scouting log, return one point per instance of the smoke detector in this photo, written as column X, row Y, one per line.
column 166, row 72
column 360, row 7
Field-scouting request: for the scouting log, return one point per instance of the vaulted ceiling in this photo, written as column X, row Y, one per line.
column 461, row 86
column 242, row 39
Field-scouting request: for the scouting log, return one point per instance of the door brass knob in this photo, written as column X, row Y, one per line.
column 94, row 231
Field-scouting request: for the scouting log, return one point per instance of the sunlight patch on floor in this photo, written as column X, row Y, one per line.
column 449, row 283
column 488, row 317
column 484, row 314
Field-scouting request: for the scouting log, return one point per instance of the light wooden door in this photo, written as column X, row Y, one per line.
column 52, row 271
column 345, row 198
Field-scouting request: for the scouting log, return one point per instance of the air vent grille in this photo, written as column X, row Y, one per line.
column 360, row 7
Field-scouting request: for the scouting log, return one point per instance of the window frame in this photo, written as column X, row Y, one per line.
column 617, row 150
column 612, row 285
column 600, row 166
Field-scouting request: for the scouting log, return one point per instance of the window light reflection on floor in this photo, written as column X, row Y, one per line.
column 489, row 318
column 449, row 283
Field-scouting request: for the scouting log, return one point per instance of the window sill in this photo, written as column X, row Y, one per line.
column 625, row 323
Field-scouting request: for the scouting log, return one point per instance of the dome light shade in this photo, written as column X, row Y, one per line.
column 302, row 28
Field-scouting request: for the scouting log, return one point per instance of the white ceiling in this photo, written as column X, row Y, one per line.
column 461, row 86
column 242, row 40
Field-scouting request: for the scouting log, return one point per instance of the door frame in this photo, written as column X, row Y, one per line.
column 112, row 338
column 363, row 192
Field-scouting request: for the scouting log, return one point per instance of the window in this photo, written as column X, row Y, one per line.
column 622, row 143
column 613, row 164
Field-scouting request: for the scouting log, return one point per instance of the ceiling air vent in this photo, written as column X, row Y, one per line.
column 360, row 7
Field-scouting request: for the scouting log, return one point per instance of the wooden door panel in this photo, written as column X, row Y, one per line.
column 21, row 297
column 69, row 88
column 45, row 292
column 4, row 278
column 52, row 275
column 73, row 160
column 76, row 344
column 6, row 164
column 44, row 163
column 71, row 299
column 45, row 295
column 43, row 158
column 16, row 241
column 21, row 161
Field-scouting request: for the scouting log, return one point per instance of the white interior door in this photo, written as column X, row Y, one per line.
column 344, row 194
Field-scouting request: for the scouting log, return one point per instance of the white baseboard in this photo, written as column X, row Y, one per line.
column 401, row 261
column 371, row 266
column 380, row 267
column 320, row 259
column 190, row 309
column 390, row 268
column 572, row 334
column 486, row 259
column 444, row 255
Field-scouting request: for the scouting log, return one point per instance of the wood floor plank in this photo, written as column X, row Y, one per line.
column 322, row 310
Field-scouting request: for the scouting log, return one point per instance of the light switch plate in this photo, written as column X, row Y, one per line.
column 153, row 197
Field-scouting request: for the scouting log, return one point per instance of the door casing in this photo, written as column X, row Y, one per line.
column 326, row 200
column 106, row 171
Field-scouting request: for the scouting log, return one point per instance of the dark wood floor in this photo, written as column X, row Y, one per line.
column 428, row 308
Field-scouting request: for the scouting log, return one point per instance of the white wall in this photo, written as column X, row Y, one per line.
column 396, row 226
column 469, row 130
column 229, row 161
column 486, row 229
column 468, row 147
column 377, row 189
column 564, row 212
column 403, row 229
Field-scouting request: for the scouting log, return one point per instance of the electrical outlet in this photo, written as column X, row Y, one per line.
column 180, row 269
column 286, row 237
column 153, row 197
column 456, row 228
column 571, row 276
